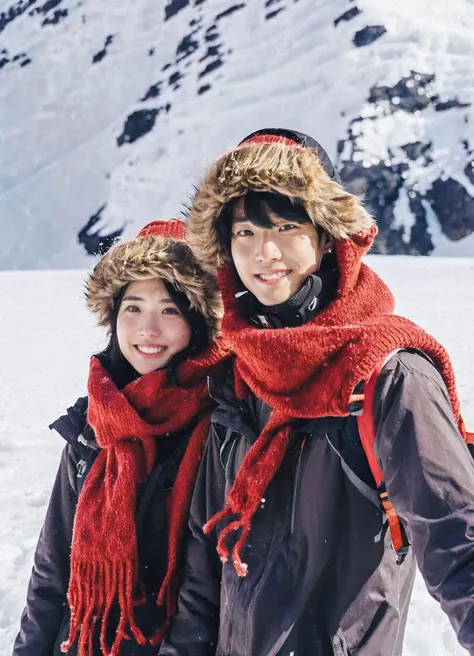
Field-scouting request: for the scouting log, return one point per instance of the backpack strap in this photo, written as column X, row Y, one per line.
column 366, row 426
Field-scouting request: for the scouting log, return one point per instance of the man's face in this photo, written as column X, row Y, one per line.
column 273, row 263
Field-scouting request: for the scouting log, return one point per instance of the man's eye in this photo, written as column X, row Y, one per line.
column 132, row 308
column 243, row 233
column 170, row 310
column 287, row 226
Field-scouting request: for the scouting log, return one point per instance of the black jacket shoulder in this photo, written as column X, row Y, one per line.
column 81, row 448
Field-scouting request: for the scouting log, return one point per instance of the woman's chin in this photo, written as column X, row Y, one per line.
column 152, row 365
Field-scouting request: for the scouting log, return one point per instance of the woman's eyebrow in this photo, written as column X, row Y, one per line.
column 133, row 298
column 139, row 298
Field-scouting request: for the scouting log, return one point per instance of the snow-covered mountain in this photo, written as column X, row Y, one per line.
column 110, row 111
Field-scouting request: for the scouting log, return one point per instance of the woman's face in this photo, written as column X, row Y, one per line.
column 150, row 327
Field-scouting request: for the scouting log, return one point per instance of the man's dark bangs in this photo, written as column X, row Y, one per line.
column 258, row 205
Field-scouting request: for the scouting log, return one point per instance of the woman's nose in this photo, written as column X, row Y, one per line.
column 150, row 325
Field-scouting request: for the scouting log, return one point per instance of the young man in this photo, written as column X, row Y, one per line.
column 293, row 550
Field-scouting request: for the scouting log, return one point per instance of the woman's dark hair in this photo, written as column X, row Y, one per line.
column 257, row 208
column 118, row 366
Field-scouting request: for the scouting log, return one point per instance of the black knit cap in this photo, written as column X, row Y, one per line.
column 300, row 139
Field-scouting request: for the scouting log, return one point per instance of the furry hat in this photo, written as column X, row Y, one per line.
column 159, row 251
column 280, row 161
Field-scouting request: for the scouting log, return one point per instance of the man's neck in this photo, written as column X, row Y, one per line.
column 314, row 295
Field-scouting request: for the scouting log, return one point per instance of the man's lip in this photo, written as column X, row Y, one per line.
column 285, row 273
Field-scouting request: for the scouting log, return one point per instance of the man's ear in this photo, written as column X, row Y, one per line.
column 327, row 242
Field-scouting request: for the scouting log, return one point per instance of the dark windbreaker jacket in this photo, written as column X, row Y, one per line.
column 45, row 620
column 322, row 576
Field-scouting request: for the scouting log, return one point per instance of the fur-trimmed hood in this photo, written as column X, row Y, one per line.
column 273, row 162
column 159, row 251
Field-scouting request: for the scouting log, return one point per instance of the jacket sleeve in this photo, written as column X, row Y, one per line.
column 46, row 597
column 429, row 475
column 195, row 627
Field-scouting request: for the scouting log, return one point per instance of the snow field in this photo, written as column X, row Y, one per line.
column 47, row 337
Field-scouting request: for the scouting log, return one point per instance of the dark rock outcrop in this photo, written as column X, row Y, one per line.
column 173, row 7
column 99, row 56
column 412, row 93
column 382, row 183
column 347, row 15
column 94, row 242
column 231, row 10
column 454, row 208
column 368, row 35
column 137, row 125
column 14, row 11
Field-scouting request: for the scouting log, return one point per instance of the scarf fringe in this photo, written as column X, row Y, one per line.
column 240, row 567
column 211, row 524
column 180, row 502
column 96, row 586
column 158, row 637
column 258, row 467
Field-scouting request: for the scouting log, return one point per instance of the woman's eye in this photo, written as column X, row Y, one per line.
column 132, row 308
column 170, row 310
column 287, row 226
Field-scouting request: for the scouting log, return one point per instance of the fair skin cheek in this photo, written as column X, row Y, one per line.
column 273, row 263
column 150, row 327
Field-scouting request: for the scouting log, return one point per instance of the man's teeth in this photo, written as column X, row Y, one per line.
column 150, row 350
column 272, row 276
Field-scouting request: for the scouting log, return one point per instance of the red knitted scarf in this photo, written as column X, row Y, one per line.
column 127, row 425
column 311, row 371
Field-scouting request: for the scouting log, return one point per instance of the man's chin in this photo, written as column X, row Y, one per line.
column 269, row 301
column 272, row 294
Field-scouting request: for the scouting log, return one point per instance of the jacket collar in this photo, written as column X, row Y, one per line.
column 73, row 426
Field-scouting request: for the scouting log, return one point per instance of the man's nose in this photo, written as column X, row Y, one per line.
column 267, row 249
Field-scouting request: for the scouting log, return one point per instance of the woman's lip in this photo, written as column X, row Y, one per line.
column 150, row 355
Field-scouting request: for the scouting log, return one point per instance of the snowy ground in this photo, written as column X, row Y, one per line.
column 47, row 338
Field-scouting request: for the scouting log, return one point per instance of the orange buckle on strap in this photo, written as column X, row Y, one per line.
column 397, row 532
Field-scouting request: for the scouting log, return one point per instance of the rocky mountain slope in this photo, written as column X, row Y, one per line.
column 110, row 112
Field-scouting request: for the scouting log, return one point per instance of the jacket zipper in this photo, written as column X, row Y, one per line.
column 63, row 632
column 339, row 645
column 294, row 504
column 296, row 487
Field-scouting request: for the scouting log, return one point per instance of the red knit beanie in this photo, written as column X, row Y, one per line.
column 173, row 228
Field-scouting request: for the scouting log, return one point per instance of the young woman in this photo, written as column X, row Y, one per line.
column 104, row 577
